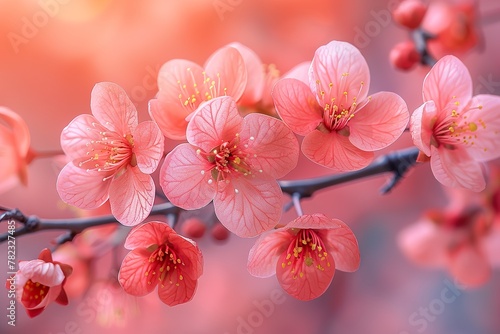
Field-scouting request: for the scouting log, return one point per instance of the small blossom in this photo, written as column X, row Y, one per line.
column 456, row 130
column 233, row 161
column 15, row 153
column 462, row 238
column 184, row 85
column 160, row 256
column 341, row 124
column 410, row 13
column 41, row 282
column 111, row 157
column 304, row 254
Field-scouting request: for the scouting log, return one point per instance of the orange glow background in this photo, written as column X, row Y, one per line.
column 47, row 75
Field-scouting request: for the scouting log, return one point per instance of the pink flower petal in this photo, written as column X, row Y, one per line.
column 421, row 126
column 46, row 273
column 177, row 291
column 76, row 136
column 255, row 75
column 424, row 243
column 447, row 82
column 334, row 151
column 297, row 106
column 132, row 275
column 113, row 108
column 18, row 129
column 227, row 70
column 147, row 234
column 491, row 245
column 379, row 123
column 185, row 178
column 306, row 282
column 81, row 188
column 339, row 71
column 264, row 254
column 248, row 206
column 343, row 246
column 486, row 125
column 131, row 196
column 190, row 253
column 470, row 267
column 148, row 146
column 172, row 125
column 272, row 146
column 454, row 168
column 215, row 122
column 299, row 72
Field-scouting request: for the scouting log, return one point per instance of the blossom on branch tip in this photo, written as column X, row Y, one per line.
column 304, row 254
column 40, row 282
column 111, row 157
column 456, row 130
column 233, row 161
column 15, row 153
column 342, row 125
column 184, row 85
column 160, row 256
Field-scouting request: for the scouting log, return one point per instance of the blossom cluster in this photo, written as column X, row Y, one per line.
column 240, row 123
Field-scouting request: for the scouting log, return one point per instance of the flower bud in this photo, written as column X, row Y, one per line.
column 219, row 232
column 193, row 228
column 404, row 55
column 410, row 13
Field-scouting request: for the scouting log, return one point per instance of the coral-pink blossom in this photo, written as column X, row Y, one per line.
column 40, row 282
column 456, row 130
column 233, row 161
column 160, row 256
column 15, row 152
column 184, row 85
column 111, row 157
column 304, row 254
column 342, row 125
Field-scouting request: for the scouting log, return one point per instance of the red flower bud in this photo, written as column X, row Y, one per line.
column 410, row 13
column 404, row 55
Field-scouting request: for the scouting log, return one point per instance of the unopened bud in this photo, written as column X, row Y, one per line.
column 193, row 228
column 219, row 232
column 410, row 13
column 404, row 55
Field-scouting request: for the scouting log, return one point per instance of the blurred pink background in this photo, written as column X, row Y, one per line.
column 47, row 75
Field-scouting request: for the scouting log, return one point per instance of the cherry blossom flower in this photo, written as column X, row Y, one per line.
column 260, row 80
column 341, row 124
column 453, row 25
column 456, row 130
column 233, row 161
column 304, row 254
column 15, row 153
column 40, row 282
column 160, row 256
column 184, row 85
column 462, row 238
column 111, row 157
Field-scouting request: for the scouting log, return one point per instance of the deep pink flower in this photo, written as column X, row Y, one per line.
column 341, row 124
column 304, row 254
column 456, row 130
column 184, row 85
column 112, row 156
column 15, row 153
column 160, row 256
column 233, row 161
column 40, row 282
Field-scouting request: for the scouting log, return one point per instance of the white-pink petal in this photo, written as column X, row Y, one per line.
column 297, row 106
column 421, row 126
column 112, row 108
column 272, row 148
column 248, row 206
column 186, row 178
column 448, row 82
column 148, row 146
column 81, row 188
column 131, row 196
column 379, row 123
